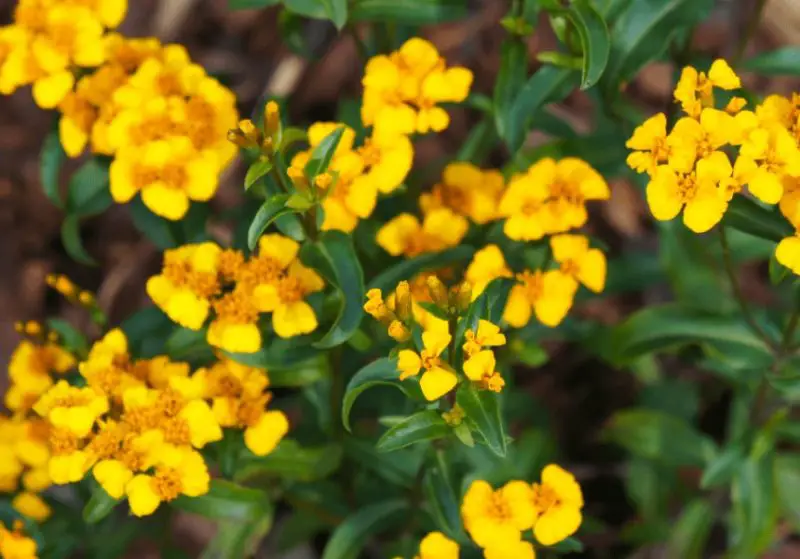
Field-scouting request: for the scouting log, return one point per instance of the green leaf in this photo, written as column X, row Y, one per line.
column 380, row 372
column 258, row 169
column 289, row 460
column 721, row 468
column 251, row 4
column 227, row 500
column 269, row 211
column 755, row 506
column 482, row 410
column 690, row 533
column 152, row 226
column 334, row 256
column 322, row 154
column 236, row 539
column 407, row 269
column 425, row 425
column 71, row 239
column 301, row 375
column 410, row 12
column 442, row 498
column 783, row 61
column 547, row 85
column 69, row 337
column 644, row 31
column 99, row 506
column 336, row 10
column 512, row 74
column 594, row 38
column 280, row 354
column 350, row 537
column 50, row 160
column 659, row 436
column 747, row 215
column 88, row 189
column 787, row 472
column 184, row 344
column 314, row 9
column 299, row 527
column 661, row 327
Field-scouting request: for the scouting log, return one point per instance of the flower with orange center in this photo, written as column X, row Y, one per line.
column 493, row 517
column 558, row 501
column 234, row 327
column 548, row 295
column 437, row 378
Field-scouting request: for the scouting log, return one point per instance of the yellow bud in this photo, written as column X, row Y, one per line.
column 52, row 336
column 19, row 327
column 403, row 300
column 298, row 178
column 399, row 332
column 454, row 417
column 33, row 328
column 461, row 296
column 272, row 119
column 86, row 298
column 323, row 181
column 437, row 290
column 235, row 136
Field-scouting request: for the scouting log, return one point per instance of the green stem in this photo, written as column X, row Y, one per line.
column 747, row 314
column 788, row 333
column 750, row 30
column 337, row 392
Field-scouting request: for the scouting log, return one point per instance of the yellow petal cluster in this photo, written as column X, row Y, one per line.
column 14, row 544
column 497, row 519
column 202, row 281
column 24, row 472
column 468, row 191
column 403, row 91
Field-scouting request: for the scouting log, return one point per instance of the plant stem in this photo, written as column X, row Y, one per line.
column 747, row 314
column 750, row 30
column 788, row 332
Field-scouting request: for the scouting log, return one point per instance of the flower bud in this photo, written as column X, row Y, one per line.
column 437, row 290
column 399, row 332
column 403, row 300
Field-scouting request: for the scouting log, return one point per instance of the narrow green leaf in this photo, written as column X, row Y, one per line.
column 289, row 460
column 334, row 256
column 755, row 506
column 336, row 10
column 661, row 437
column 185, row 344
column 511, row 76
column 259, row 168
column 787, row 472
column 88, row 189
column 410, row 12
column 350, row 537
column 443, row 500
column 298, row 528
column 747, row 215
column 236, row 538
column 690, row 533
column 783, row 61
column 407, row 269
column 69, row 336
column 154, row 227
column 269, row 211
column 594, row 37
column 227, row 500
column 322, row 154
column 721, row 468
column 380, row 372
column 547, row 85
column 99, row 506
column 300, row 375
column 314, row 9
column 279, row 354
column 426, row 425
column 71, row 239
column 251, row 4
column 482, row 410
column 50, row 160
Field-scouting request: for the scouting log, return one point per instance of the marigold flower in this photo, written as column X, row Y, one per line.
column 695, row 90
column 788, row 253
column 482, row 368
column 291, row 315
column 436, row 545
column 548, row 295
column 649, row 142
column 405, row 235
column 467, row 190
column 387, row 159
column 510, row 549
column 487, row 335
column 437, row 379
column 32, row 506
column 487, row 265
column 586, row 265
column 234, row 327
column 775, row 154
column 30, row 372
column 692, row 140
column 72, row 408
column 558, row 501
column 493, row 517
column 15, row 545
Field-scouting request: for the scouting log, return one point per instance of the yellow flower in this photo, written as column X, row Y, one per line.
column 32, row 506
column 69, row 463
column 558, row 500
column 698, row 191
column 488, row 335
column 437, row 379
column 120, row 455
column 586, row 265
column 108, row 367
column 436, row 545
column 487, row 265
column 15, row 545
column 72, row 408
column 168, row 173
column 493, row 517
column 404, row 234
column 387, row 158
column 187, row 282
column 402, row 90
column 788, row 253
column 468, row 191
column 235, row 325
column 30, row 370
column 649, row 140
column 14, row 54
column 548, row 295
column 482, row 368
column 692, row 139
column 510, row 549
column 776, row 154
column 695, row 90
column 178, row 471
column 742, row 172
column 790, row 201
column 263, row 436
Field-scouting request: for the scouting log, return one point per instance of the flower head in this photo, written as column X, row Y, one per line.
column 695, row 90
column 558, row 501
column 437, row 377
column 494, row 517
column 576, row 259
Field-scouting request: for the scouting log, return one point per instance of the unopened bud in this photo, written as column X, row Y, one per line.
column 298, row 178
column 399, row 332
column 33, row 328
column 272, row 119
column 461, row 296
column 403, row 301
column 454, row 417
column 437, row 290
column 323, row 181
column 86, row 298
column 235, row 136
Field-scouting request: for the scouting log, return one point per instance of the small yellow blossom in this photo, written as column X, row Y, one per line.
column 482, row 369
column 788, row 253
column 493, row 517
column 404, row 234
column 790, row 201
column 649, row 142
column 510, row 549
column 468, row 191
column 488, row 335
column 695, row 90
column 487, row 265
column 436, row 545
column 234, row 327
column 558, row 501
column 695, row 139
column 72, row 408
column 32, row 506
column 548, row 295
column 30, row 372
column 775, row 153
column 14, row 544
column 437, row 379
column 586, row 265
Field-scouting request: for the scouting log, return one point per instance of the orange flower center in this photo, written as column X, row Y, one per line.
column 544, row 497
column 180, row 272
column 167, row 483
column 236, row 308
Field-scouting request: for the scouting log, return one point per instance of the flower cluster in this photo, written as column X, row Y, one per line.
column 49, row 40
column 14, row 544
column 496, row 519
column 138, row 425
column 202, row 280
